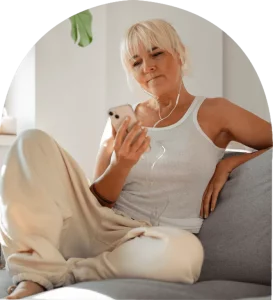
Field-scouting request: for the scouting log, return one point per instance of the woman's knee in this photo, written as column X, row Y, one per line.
column 168, row 254
column 193, row 252
column 32, row 135
column 30, row 139
column 183, row 256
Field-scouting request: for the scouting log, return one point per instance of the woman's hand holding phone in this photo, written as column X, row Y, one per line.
column 129, row 147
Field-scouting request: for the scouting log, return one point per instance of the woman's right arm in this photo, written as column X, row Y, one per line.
column 110, row 175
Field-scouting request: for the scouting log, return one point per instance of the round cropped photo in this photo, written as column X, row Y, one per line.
column 136, row 162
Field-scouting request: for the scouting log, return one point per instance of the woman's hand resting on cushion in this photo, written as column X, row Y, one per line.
column 213, row 189
column 129, row 147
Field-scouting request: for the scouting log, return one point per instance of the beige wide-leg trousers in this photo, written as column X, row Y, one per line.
column 54, row 232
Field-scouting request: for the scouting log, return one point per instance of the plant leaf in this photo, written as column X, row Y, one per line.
column 81, row 28
column 74, row 33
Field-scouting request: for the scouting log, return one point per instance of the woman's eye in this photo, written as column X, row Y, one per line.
column 136, row 63
column 157, row 54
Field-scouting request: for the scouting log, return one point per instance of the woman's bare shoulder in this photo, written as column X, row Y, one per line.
column 215, row 102
column 216, row 106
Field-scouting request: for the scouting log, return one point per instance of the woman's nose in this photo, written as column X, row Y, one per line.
column 148, row 67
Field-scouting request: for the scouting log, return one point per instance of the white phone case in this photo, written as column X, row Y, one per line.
column 119, row 113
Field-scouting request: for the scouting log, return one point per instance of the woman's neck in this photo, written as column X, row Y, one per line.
column 168, row 100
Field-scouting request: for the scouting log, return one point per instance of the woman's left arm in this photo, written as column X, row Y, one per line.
column 244, row 127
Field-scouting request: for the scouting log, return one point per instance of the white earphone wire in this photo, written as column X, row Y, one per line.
column 176, row 102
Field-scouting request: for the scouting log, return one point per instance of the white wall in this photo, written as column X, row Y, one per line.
column 70, row 89
column 20, row 97
column 241, row 83
column 75, row 86
column 20, row 101
column 203, row 40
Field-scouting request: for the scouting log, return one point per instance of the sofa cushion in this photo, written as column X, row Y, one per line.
column 237, row 235
column 149, row 289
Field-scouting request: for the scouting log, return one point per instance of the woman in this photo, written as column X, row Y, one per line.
column 55, row 232
column 190, row 134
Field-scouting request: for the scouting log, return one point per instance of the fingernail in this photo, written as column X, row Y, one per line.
column 212, row 209
column 206, row 216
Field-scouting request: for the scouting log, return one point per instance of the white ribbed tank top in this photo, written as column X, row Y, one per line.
column 166, row 186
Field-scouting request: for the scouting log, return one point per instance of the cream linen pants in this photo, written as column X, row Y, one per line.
column 54, row 232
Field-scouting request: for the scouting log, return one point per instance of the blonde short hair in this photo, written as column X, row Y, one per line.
column 152, row 33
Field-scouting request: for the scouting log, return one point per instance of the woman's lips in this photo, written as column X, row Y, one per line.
column 156, row 77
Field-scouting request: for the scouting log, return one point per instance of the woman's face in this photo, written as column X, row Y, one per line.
column 157, row 71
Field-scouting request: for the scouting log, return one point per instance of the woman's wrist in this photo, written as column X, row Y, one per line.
column 120, row 168
column 101, row 199
column 226, row 165
column 107, row 187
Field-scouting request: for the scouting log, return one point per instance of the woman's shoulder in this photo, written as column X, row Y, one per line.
column 215, row 104
column 214, row 109
column 215, row 101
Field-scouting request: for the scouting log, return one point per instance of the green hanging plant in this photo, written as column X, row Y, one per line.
column 81, row 28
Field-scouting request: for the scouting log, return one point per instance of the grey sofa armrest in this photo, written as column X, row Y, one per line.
column 237, row 235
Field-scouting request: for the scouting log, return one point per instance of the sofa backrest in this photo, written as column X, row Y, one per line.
column 237, row 235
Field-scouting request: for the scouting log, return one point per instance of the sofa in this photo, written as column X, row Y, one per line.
column 237, row 244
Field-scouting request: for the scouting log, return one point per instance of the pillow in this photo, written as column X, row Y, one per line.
column 237, row 235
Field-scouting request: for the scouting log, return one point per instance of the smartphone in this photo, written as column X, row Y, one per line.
column 119, row 113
